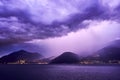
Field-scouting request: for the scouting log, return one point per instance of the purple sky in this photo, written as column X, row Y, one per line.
column 52, row 27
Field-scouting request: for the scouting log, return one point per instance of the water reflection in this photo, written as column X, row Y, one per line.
column 58, row 72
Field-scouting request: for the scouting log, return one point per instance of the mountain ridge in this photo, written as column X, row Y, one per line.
column 66, row 58
column 20, row 55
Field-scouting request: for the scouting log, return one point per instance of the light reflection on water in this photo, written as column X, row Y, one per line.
column 59, row 72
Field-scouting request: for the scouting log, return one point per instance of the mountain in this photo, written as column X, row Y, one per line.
column 115, row 43
column 20, row 55
column 110, row 52
column 66, row 58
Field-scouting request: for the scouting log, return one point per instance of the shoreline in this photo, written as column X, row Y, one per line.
column 69, row 64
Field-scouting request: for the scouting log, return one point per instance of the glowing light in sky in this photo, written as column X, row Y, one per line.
column 96, row 36
column 59, row 25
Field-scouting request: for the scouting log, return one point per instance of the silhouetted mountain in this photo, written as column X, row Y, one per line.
column 20, row 55
column 66, row 58
column 115, row 43
column 109, row 53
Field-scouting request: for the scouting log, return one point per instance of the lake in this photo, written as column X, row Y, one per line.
column 59, row 72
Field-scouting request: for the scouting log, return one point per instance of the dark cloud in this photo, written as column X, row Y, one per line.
column 116, row 13
column 23, row 21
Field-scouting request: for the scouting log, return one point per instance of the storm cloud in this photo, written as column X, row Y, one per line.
column 24, row 20
column 46, row 26
column 85, row 41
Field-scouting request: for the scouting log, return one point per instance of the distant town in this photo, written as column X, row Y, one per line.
column 81, row 62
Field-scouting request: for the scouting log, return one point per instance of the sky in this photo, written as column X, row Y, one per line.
column 51, row 27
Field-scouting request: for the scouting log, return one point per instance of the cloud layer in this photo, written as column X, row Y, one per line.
column 25, row 20
column 85, row 41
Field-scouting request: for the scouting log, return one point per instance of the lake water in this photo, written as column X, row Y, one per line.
column 59, row 72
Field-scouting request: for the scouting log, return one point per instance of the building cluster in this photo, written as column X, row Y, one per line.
column 100, row 62
column 26, row 62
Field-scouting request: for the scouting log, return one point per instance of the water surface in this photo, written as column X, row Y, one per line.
column 59, row 72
